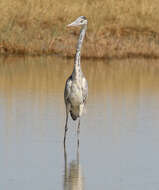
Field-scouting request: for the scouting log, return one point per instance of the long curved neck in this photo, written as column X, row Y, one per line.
column 77, row 66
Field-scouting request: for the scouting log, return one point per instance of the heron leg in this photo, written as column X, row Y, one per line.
column 78, row 132
column 66, row 128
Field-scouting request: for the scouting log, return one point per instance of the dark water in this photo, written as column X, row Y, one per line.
column 119, row 136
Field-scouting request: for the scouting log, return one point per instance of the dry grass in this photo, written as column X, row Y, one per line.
column 122, row 28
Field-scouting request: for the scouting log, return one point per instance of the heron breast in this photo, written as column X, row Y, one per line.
column 76, row 95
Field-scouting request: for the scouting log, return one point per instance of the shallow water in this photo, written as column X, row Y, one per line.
column 119, row 136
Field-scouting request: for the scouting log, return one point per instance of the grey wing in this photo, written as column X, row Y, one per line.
column 67, row 89
column 85, row 90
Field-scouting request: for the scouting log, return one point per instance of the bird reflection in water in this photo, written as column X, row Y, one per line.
column 73, row 178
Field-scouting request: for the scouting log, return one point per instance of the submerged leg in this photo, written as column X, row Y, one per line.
column 78, row 132
column 66, row 128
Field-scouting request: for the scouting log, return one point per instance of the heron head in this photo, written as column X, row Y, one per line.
column 79, row 21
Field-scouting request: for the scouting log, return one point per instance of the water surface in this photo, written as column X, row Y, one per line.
column 119, row 136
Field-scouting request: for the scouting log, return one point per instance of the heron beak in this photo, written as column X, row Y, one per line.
column 73, row 24
column 69, row 25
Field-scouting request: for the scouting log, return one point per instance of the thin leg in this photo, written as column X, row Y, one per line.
column 78, row 132
column 66, row 172
column 66, row 128
column 65, row 159
column 77, row 154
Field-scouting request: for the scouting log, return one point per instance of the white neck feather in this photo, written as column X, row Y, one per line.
column 77, row 66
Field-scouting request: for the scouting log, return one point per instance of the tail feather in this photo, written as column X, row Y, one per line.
column 74, row 117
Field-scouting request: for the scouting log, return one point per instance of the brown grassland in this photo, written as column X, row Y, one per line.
column 116, row 28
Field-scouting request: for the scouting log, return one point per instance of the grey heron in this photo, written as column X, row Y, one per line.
column 76, row 87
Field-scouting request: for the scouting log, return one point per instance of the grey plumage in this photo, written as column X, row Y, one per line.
column 76, row 87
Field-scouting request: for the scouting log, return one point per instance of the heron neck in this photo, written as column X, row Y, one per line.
column 77, row 65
